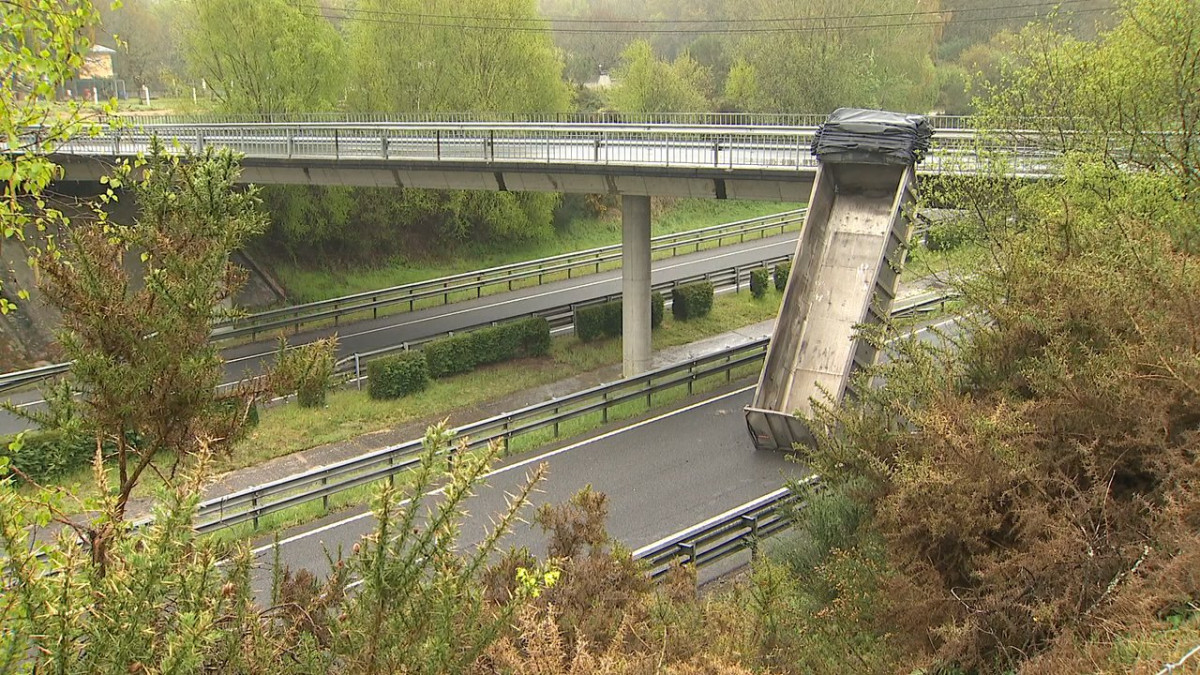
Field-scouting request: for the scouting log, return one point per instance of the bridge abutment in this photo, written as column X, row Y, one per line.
column 635, row 284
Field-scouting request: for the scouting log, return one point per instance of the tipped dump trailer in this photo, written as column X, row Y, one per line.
column 844, row 274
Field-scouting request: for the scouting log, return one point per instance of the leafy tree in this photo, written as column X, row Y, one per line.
column 142, row 32
column 263, row 57
column 833, row 59
column 642, row 83
column 973, row 22
column 44, row 45
column 141, row 359
column 741, row 88
column 305, row 370
column 453, row 64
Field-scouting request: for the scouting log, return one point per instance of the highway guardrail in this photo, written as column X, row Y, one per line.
column 563, row 316
column 252, row 504
column 475, row 283
column 298, row 315
column 738, row 529
column 321, row 483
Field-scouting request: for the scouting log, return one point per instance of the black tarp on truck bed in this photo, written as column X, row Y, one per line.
column 854, row 135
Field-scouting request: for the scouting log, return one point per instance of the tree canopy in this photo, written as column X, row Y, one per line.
column 436, row 65
column 646, row 84
column 263, row 57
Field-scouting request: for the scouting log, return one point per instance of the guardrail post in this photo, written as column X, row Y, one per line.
column 336, row 150
column 691, row 377
column 737, row 279
column 604, row 409
column 649, row 391
column 556, row 421
column 438, row 136
column 324, row 498
column 752, row 523
column 383, row 143
column 689, row 551
column 291, row 143
column 254, row 506
column 357, row 372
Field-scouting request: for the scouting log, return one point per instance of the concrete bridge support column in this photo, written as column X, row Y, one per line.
column 635, row 283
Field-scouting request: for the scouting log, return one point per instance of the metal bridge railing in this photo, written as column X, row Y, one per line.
column 531, row 147
column 688, row 119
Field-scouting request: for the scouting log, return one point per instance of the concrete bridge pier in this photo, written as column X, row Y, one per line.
column 635, row 284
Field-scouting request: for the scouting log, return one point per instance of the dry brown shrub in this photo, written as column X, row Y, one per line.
column 1039, row 493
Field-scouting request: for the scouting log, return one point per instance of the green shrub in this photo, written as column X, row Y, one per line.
column 782, row 271
column 463, row 353
column 450, row 355
column 692, row 301
column 46, row 455
column 598, row 321
column 950, row 234
column 758, row 282
column 306, row 370
column 657, row 309
column 605, row 319
column 535, row 338
column 398, row 375
column 237, row 416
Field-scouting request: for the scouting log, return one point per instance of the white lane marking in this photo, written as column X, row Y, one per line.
column 520, row 299
column 518, row 465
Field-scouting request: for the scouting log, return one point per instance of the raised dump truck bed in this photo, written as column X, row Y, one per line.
column 844, row 274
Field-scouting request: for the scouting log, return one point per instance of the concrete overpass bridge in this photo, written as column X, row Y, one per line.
column 635, row 161
column 770, row 163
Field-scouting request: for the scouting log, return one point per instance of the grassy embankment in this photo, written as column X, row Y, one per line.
column 305, row 284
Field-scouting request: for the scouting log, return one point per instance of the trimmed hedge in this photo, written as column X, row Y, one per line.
column 758, row 282
column 782, row 271
column 605, row 319
column 598, row 321
column 692, row 301
column 397, row 375
column 46, row 455
column 463, row 353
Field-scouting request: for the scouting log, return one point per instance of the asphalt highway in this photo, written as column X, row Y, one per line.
column 662, row 474
column 368, row 335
